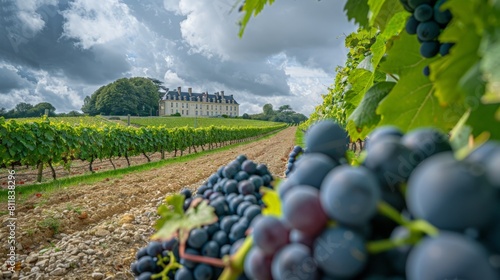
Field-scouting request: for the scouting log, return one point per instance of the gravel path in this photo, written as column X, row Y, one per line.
column 101, row 226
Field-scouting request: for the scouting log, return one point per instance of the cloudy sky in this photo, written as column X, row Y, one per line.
column 60, row 51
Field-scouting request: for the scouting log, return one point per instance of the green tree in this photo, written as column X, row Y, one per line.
column 23, row 108
column 245, row 116
column 268, row 109
column 39, row 109
column 135, row 96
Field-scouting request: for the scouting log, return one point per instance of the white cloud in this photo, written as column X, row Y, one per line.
column 94, row 22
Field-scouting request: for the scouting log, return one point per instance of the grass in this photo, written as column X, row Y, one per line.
column 76, row 209
column 50, row 223
column 299, row 138
column 196, row 122
column 52, row 186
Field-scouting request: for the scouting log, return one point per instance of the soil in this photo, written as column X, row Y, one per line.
column 124, row 205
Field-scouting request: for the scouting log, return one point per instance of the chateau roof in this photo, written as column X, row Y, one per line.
column 193, row 96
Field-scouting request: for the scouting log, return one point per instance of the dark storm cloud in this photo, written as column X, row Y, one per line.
column 60, row 51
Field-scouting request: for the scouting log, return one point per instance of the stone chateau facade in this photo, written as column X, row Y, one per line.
column 190, row 104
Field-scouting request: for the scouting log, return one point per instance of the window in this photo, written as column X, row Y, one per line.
column 212, row 107
column 183, row 112
column 176, row 111
column 187, row 112
column 197, row 113
column 172, row 104
column 230, row 108
column 176, row 105
column 227, row 107
column 207, row 107
column 207, row 113
column 196, row 106
column 182, row 104
column 171, row 111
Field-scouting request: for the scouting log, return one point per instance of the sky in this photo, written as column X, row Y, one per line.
column 60, row 51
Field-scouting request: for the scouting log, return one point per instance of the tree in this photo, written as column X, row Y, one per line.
column 284, row 108
column 245, row 116
column 136, row 96
column 39, row 109
column 23, row 108
column 268, row 109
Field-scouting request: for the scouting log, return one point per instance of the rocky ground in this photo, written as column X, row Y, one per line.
column 93, row 231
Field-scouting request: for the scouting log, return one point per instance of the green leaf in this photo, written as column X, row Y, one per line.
column 361, row 80
column 483, row 119
column 412, row 104
column 490, row 65
column 382, row 11
column 175, row 222
column 357, row 10
column 404, row 56
column 251, row 7
column 272, row 202
column 394, row 27
column 364, row 117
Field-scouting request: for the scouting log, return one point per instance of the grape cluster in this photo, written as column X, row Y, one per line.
column 149, row 258
column 234, row 193
column 427, row 21
column 440, row 215
column 292, row 158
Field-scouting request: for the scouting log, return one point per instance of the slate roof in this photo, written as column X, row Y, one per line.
column 174, row 95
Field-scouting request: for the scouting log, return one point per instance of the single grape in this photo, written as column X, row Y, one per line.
column 145, row 264
column 451, row 194
column 197, row 237
column 426, row 142
column 257, row 265
column 249, row 167
column 294, row 261
column 241, row 158
column 184, row 273
column 229, row 171
column 428, row 31
column 145, row 276
column 327, row 137
column 203, row 272
column 225, row 250
column 227, row 222
column 449, row 255
column 240, row 176
column 311, row 169
column 444, row 49
column 350, row 195
column 242, row 207
column 296, row 236
column 423, row 12
column 411, row 25
column 270, row 234
column 186, row 193
column 340, row 252
column 406, row 6
column 141, row 252
column 440, row 16
column 429, row 49
column 211, row 249
column 257, row 182
column 246, row 187
column 303, row 211
column 220, row 237
column 426, row 71
column 390, row 161
column 233, row 205
column 154, row 248
column 252, row 211
column 237, row 232
column 381, row 133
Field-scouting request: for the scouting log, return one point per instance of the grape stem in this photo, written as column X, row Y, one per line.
column 172, row 265
column 387, row 210
column 235, row 263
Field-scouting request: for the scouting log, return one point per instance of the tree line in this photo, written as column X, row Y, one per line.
column 27, row 110
column 285, row 114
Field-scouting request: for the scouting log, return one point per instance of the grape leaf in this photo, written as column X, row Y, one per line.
column 364, row 118
column 459, row 135
column 412, row 104
column 272, row 202
column 482, row 119
column 361, row 80
column 382, row 11
column 490, row 65
column 394, row 27
column 175, row 222
column 357, row 10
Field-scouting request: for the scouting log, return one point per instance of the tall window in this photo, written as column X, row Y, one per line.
column 187, row 112
column 207, row 107
column 183, row 112
column 176, row 105
column 172, row 104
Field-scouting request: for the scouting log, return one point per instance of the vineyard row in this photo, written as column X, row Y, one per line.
column 44, row 143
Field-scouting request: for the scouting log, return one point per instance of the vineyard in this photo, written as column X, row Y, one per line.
column 171, row 122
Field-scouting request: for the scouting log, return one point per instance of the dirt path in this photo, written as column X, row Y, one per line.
column 101, row 226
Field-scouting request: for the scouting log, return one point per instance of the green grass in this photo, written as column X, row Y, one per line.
column 198, row 122
column 86, row 120
column 299, row 138
column 67, row 182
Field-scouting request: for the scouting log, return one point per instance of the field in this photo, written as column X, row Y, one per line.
column 86, row 120
column 195, row 122
column 104, row 223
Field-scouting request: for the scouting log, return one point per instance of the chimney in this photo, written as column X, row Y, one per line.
column 190, row 90
column 179, row 90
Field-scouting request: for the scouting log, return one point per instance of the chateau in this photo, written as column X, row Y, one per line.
column 198, row 104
